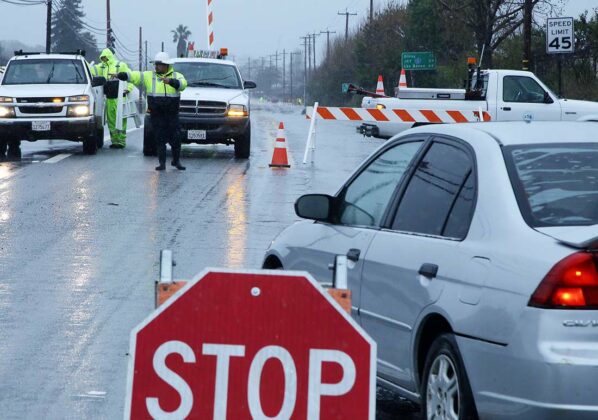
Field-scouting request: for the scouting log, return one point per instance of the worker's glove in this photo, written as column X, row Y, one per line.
column 123, row 76
column 175, row 83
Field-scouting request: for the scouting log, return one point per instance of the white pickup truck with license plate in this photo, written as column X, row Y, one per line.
column 50, row 96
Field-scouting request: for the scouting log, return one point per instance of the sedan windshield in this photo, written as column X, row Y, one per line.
column 556, row 185
column 45, row 72
column 209, row 75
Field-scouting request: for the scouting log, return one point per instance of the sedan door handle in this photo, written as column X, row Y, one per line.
column 506, row 108
column 353, row 254
column 429, row 270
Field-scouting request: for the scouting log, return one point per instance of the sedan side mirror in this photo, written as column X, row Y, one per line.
column 249, row 85
column 98, row 81
column 314, row 207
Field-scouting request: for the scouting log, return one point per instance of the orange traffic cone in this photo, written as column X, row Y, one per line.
column 380, row 86
column 280, row 158
column 403, row 80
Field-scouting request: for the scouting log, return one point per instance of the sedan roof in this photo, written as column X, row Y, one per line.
column 519, row 132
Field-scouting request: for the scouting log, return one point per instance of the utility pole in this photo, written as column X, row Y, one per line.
column 304, row 38
column 249, row 67
column 291, row 73
column 527, row 34
column 314, row 41
column 347, row 15
column 140, row 48
column 284, row 74
column 146, row 55
column 327, row 32
column 371, row 11
column 162, row 46
column 309, row 52
column 49, row 27
column 109, row 37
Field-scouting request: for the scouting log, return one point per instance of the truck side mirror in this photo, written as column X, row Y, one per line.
column 249, row 85
column 547, row 98
column 98, row 81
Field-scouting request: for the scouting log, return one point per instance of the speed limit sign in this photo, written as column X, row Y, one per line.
column 560, row 35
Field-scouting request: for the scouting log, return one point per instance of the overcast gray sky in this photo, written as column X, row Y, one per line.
column 247, row 27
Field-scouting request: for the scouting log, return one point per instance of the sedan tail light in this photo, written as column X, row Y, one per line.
column 570, row 284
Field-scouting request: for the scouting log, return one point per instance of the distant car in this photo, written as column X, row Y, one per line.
column 50, row 96
column 473, row 255
column 215, row 108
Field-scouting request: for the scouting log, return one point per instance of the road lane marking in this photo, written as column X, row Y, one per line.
column 58, row 158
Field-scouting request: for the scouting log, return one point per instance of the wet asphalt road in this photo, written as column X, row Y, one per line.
column 80, row 239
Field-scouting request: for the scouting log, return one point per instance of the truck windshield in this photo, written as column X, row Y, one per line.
column 556, row 184
column 209, row 75
column 45, row 72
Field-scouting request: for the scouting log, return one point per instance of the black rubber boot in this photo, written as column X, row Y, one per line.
column 161, row 158
column 176, row 159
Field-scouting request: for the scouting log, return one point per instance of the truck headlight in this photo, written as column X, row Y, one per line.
column 78, row 111
column 237, row 111
column 80, row 98
column 7, row 112
column 380, row 107
column 5, row 99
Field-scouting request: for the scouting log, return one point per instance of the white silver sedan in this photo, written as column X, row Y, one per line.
column 473, row 262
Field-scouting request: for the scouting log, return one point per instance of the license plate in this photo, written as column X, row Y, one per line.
column 40, row 125
column 196, row 135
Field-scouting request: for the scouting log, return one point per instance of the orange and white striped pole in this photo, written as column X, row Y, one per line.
column 210, row 25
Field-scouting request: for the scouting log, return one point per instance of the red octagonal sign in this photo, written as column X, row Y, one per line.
column 261, row 345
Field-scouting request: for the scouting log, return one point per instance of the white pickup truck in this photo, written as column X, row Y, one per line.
column 506, row 95
column 215, row 108
column 50, row 96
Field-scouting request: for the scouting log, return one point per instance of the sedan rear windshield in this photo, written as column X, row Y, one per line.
column 45, row 72
column 556, row 184
column 209, row 75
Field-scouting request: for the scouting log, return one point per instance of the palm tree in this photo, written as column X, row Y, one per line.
column 180, row 35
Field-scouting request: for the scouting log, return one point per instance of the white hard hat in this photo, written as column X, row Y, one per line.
column 162, row 58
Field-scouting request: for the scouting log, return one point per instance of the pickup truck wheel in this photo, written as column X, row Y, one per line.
column 243, row 144
column 149, row 141
column 100, row 137
column 14, row 150
column 90, row 145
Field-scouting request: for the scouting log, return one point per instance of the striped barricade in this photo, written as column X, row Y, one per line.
column 427, row 116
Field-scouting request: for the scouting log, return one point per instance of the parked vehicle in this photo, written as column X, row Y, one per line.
column 50, row 96
column 473, row 263
column 506, row 95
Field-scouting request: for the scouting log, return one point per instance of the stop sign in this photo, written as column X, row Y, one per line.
column 262, row 345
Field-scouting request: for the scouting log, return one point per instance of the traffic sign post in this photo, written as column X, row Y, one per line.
column 253, row 344
column 560, row 39
column 418, row 61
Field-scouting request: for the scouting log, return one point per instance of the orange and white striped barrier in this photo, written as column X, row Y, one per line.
column 210, row 24
column 403, row 80
column 280, row 158
column 405, row 115
column 380, row 86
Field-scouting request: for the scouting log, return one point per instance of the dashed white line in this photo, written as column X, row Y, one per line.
column 58, row 158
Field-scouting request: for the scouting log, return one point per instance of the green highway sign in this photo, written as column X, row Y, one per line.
column 418, row 61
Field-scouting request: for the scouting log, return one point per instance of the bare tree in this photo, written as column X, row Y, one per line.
column 492, row 21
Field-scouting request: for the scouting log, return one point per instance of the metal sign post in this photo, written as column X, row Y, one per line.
column 560, row 39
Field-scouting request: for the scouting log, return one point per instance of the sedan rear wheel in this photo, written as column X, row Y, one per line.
column 445, row 385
